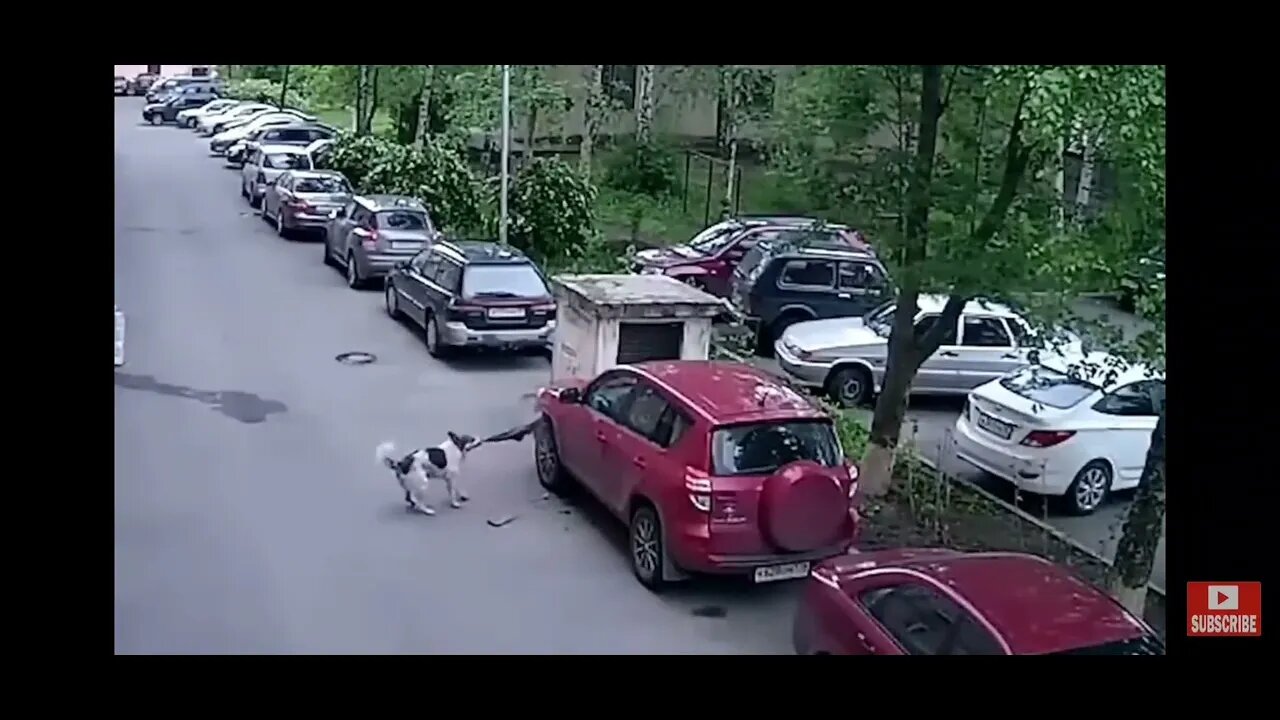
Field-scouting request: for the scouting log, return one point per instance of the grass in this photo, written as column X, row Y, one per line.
column 342, row 117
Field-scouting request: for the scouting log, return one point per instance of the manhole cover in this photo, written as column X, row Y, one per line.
column 356, row 358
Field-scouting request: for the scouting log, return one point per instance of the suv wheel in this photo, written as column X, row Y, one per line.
column 546, row 456
column 647, row 552
column 392, row 303
column 157, row 119
column 354, row 281
column 850, row 386
column 434, row 348
column 281, row 230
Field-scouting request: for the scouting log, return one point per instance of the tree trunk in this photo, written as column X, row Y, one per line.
column 729, row 89
column 1143, row 528
column 424, row 108
column 591, row 111
column 284, row 86
column 361, row 80
column 529, row 136
column 644, row 102
column 373, row 101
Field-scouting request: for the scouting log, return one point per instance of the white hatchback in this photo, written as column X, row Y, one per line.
column 1076, row 427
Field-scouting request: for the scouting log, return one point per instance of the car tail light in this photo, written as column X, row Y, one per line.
column 699, row 487
column 549, row 308
column 462, row 312
column 853, row 479
column 1047, row 438
column 300, row 205
column 369, row 239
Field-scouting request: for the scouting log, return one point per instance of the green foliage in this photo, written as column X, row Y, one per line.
column 436, row 174
column 643, row 168
column 851, row 428
column 266, row 91
column 552, row 210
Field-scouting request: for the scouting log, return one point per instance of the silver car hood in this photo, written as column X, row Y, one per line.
column 844, row 332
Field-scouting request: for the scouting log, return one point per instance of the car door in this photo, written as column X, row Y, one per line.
column 444, row 288
column 937, row 374
column 280, row 193
column 1130, row 413
column 987, row 350
column 809, row 283
column 414, row 285
column 631, row 449
column 339, row 227
column 912, row 617
column 249, row 173
column 358, row 227
column 861, row 285
column 591, row 424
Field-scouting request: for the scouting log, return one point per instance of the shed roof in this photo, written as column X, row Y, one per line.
column 636, row 296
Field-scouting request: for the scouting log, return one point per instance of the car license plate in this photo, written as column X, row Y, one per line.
column 996, row 427
column 506, row 313
column 406, row 246
column 119, row 338
column 789, row 571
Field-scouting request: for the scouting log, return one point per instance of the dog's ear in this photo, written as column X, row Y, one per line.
column 459, row 441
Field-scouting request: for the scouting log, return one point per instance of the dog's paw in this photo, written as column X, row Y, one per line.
column 455, row 504
column 426, row 510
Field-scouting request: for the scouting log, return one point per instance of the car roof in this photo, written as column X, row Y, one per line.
column 286, row 149
column 1035, row 605
column 483, row 252
column 1103, row 369
column 730, row 392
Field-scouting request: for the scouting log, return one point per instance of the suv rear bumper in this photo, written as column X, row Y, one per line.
column 689, row 550
column 458, row 334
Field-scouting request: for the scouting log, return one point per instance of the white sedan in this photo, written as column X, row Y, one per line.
column 1075, row 427
column 205, row 125
column 189, row 117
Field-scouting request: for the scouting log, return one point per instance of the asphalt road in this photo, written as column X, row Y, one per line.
column 249, row 515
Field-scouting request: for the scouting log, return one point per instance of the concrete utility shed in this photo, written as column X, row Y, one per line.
column 609, row 320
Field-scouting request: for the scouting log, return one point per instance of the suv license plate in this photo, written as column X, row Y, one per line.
column 789, row 571
column 506, row 313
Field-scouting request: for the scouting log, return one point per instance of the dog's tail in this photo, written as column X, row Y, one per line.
column 386, row 454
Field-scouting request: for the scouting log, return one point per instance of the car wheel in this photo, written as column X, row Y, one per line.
column 1089, row 488
column 434, row 348
column 191, row 122
column 354, row 281
column 391, row 301
column 328, row 256
column 850, row 386
column 645, row 543
column 255, row 202
column 157, row 119
column 546, row 457
column 281, row 230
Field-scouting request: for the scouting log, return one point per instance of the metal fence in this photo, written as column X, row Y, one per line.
column 705, row 178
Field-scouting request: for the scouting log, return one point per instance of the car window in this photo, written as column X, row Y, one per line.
column 860, row 276
column 609, row 397
column 1047, row 386
column 1144, row 398
column 645, row 411
column 1021, row 331
column 287, row 161
column 425, row 264
column 328, row 184
column 924, row 622
column 809, row 274
column 926, row 322
column 403, row 220
column 362, row 217
column 762, row 448
column 513, row 281
column 714, row 238
column 985, row 332
column 285, row 181
column 448, row 275
column 671, row 427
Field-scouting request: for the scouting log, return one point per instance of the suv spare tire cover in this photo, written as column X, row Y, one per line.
column 803, row 507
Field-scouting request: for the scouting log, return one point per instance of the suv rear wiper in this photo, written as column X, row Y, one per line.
column 495, row 293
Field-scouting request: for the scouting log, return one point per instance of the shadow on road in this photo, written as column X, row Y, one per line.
column 242, row 406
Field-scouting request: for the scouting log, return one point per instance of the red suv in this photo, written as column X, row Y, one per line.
column 715, row 467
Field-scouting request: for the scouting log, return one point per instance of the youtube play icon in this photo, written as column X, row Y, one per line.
column 1222, row 609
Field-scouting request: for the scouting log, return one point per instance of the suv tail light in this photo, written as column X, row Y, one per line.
column 1047, row 438
column 300, row 205
column 853, row 479
column 462, row 312
column 699, row 487
column 368, row 238
column 549, row 308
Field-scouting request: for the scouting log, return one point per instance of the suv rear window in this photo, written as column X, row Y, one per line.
column 286, row 161
column 403, row 220
column 503, row 281
column 1048, row 386
column 331, row 185
column 762, row 448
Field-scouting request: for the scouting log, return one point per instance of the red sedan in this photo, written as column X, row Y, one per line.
column 945, row 602
column 715, row 468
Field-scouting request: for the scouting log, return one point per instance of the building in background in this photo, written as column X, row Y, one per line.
column 132, row 71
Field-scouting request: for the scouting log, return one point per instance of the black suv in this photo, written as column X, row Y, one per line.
column 801, row 276
column 473, row 293
column 167, row 111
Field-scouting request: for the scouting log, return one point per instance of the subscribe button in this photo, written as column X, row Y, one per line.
column 1223, row 609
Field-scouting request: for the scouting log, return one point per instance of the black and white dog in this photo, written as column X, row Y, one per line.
column 415, row 471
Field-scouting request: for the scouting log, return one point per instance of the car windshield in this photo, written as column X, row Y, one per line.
column 880, row 319
column 403, row 220
column 1142, row 645
column 1047, row 386
column 505, row 281
column 290, row 135
column 762, row 448
column 286, row 161
column 330, row 185
column 711, row 240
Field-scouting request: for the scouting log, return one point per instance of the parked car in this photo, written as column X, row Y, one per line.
column 1073, row 426
column 167, row 111
column 373, row 233
column 161, row 88
column 303, row 199
column 301, row 133
column 946, row 602
column 237, row 123
column 266, row 165
column 846, row 357
column 708, row 260
column 797, row 276
column 319, row 151
column 189, row 117
column 715, row 467
column 142, row 83
column 473, row 294
column 212, row 124
column 122, row 85
column 219, row 143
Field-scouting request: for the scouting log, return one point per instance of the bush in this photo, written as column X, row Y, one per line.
column 266, row 91
column 644, row 168
column 437, row 174
column 552, row 211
